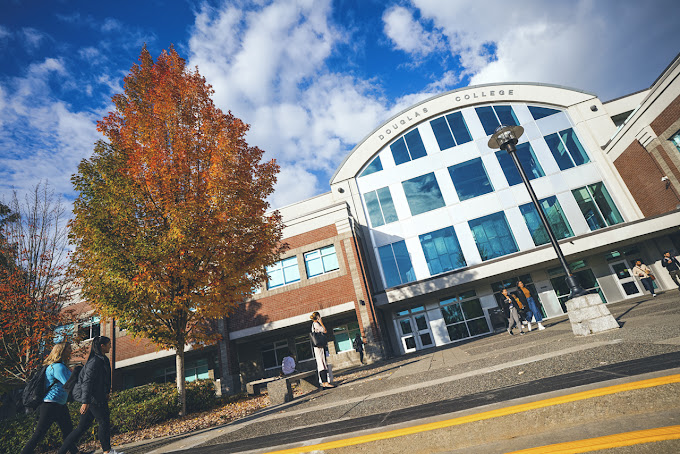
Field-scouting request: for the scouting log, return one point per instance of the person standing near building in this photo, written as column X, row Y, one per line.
column 54, row 409
column 358, row 345
column 509, row 306
column 92, row 390
column 320, row 351
column 645, row 274
column 528, row 300
column 672, row 266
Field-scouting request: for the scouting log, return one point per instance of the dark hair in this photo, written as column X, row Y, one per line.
column 96, row 347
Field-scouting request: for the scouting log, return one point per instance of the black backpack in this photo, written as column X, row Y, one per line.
column 34, row 391
column 71, row 382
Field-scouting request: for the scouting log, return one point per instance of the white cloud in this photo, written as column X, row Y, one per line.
column 4, row 32
column 408, row 34
column 32, row 38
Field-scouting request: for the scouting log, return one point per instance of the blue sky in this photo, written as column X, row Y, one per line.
column 311, row 77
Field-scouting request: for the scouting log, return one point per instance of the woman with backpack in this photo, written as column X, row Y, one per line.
column 53, row 407
column 92, row 390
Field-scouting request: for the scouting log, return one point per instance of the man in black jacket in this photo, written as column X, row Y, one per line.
column 673, row 267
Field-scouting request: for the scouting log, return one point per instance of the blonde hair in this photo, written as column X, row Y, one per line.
column 58, row 354
column 315, row 316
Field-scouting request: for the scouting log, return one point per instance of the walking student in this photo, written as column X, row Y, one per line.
column 672, row 266
column 358, row 345
column 92, row 390
column 320, row 352
column 528, row 300
column 54, row 409
column 509, row 306
column 645, row 274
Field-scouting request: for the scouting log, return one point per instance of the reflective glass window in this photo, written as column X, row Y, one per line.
column 442, row 251
column 380, row 207
column 470, row 179
column 493, row 117
column 408, row 148
column 373, row 167
column 423, row 194
column 464, row 317
column 449, row 127
column 566, row 149
column 526, row 157
column 283, row 272
column 396, row 264
column 399, row 151
column 493, row 236
column 605, row 203
column 506, row 115
column 459, row 128
column 676, row 140
column 556, row 218
column 442, row 133
column 541, row 112
column 321, row 261
column 597, row 206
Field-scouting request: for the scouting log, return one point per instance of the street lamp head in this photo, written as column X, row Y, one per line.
column 504, row 135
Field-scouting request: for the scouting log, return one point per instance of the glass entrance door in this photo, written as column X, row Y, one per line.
column 415, row 332
column 625, row 279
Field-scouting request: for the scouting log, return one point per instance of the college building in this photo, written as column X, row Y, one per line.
column 424, row 224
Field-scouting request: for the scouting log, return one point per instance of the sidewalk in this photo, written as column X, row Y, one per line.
column 473, row 373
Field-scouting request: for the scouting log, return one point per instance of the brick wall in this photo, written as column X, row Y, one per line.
column 643, row 177
column 669, row 116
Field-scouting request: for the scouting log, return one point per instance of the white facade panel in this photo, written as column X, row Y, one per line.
column 519, row 229
column 553, row 123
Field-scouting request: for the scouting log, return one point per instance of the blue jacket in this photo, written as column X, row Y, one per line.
column 56, row 375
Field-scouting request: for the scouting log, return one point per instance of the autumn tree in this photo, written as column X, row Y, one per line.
column 171, row 226
column 34, row 283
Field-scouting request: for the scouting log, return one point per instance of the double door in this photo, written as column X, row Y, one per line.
column 625, row 279
column 415, row 332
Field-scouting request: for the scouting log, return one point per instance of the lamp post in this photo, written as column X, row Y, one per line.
column 505, row 138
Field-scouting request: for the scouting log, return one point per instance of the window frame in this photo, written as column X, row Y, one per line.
column 412, row 197
column 279, row 266
column 457, row 185
column 479, row 247
column 403, row 276
column 321, row 256
column 410, row 149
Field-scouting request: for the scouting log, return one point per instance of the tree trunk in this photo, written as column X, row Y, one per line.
column 181, row 388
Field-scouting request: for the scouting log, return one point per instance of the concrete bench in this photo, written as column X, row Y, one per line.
column 280, row 391
column 254, row 387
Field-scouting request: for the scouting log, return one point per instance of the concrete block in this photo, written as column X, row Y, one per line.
column 279, row 391
column 588, row 315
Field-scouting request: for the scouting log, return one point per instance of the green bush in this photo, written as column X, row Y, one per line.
column 132, row 409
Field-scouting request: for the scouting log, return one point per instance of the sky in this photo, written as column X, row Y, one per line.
column 311, row 77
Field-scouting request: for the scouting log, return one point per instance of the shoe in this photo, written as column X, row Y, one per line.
column 653, row 295
column 541, row 327
column 529, row 326
column 510, row 332
column 113, row 451
column 521, row 333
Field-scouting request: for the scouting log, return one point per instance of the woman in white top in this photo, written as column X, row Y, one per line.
column 320, row 352
column 645, row 274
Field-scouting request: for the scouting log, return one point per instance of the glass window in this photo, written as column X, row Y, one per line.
column 380, row 207
column 373, row 167
column 423, row 194
column 89, row 329
column 442, row 251
column 493, row 236
column 556, row 217
column 344, row 335
column 321, row 261
column 526, row 157
column 64, row 333
column 273, row 354
column 541, row 112
column 566, row 149
column 676, row 140
column 408, row 148
column 459, row 128
column 586, row 278
column 197, row 370
column 283, row 272
column 448, row 127
column 442, row 133
column 470, row 179
column 303, row 348
column 597, row 206
column 463, row 316
column 493, row 117
column 396, row 264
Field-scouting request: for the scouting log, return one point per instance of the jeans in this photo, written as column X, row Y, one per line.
column 675, row 275
column 649, row 285
column 100, row 412
column 533, row 309
column 51, row 412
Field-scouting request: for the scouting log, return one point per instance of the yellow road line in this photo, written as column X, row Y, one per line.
column 607, row 442
column 649, row 383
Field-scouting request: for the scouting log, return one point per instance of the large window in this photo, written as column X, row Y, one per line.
column 344, row 336
column 423, row 194
column 442, row 251
column 396, row 264
column 493, row 236
column 464, row 316
column 511, row 285
column 283, row 272
column 321, row 261
column 586, row 278
column 526, row 157
column 541, row 112
column 408, row 148
column 567, row 149
column 380, row 207
column 273, row 354
column 470, row 179
column 303, row 348
column 89, row 329
column 556, row 218
column 194, row 370
column 676, row 140
column 494, row 116
column 374, row 166
column 597, row 206
column 450, row 130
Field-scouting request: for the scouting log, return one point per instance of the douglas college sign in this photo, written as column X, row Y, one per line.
column 414, row 115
